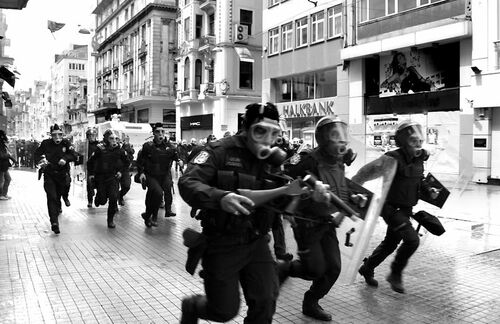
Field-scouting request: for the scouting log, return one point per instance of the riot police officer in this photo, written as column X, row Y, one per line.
column 237, row 250
column 125, row 180
column 92, row 143
column 397, row 210
column 154, row 168
column 105, row 167
column 317, row 243
column 54, row 155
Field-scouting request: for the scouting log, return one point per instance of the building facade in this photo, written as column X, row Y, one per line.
column 66, row 71
column 134, row 61
column 483, row 97
column 411, row 60
column 219, row 66
column 302, row 69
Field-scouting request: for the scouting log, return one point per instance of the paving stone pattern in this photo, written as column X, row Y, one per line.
column 131, row 274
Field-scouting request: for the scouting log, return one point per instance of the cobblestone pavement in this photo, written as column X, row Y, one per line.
column 132, row 274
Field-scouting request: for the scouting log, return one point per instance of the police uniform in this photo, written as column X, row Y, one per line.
column 403, row 195
column 104, row 165
column 125, row 180
column 317, row 243
column 155, row 161
column 56, row 177
column 92, row 147
column 237, row 251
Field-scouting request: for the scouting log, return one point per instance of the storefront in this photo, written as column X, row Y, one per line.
column 301, row 117
column 421, row 85
column 198, row 127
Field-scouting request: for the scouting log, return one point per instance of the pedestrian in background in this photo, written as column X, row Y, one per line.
column 397, row 210
column 106, row 166
column 92, row 143
column 125, row 180
column 53, row 156
column 154, row 167
column 5, row 159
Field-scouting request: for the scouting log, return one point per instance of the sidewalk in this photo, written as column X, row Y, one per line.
column 131, row 274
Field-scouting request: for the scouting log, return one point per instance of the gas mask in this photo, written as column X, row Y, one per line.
column 57, row 137
column 332, row 137
column 261, row 136
column 113, row 140
column 410, row 137
column 159, row 134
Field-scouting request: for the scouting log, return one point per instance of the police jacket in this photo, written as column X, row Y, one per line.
column 156, row 158
column 107, row 161
column 220, row 168
column 407, row 182
column 326, row 169
column 130, row 152
column 53, row 153
column 92, row 148
column 4, row 158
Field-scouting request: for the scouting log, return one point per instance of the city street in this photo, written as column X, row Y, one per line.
column 134, row 274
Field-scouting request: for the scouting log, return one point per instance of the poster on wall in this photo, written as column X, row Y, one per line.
column 414, row 80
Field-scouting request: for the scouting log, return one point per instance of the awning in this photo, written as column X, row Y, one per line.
column 8, row 76
column 244, row 54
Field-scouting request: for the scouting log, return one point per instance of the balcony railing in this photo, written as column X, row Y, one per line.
column 142, row 50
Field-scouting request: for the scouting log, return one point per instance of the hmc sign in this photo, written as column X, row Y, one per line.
column 307, row 108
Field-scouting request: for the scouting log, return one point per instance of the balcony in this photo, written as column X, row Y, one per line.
column 207, row 5
column 206, row 90
column 127, row 57
column 142, row 50
column 207, row 42
column 188, row 95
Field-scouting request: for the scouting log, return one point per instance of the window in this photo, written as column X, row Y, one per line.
column 274, row 41
column 187, row 72
column 373, row 9
column 197, row 74
column 246, row 75
column 246, row 19
column 271, row 3
column 126, row 14
column 406, row 5
column 211, row 24
column 335, row 21
column 287, row 37
column 143, row 116
column 321, row 84
column 301, row 32
column 317, row 27
column 187, row 28
column 199, row 26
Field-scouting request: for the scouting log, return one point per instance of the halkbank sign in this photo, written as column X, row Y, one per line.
column 307, row 108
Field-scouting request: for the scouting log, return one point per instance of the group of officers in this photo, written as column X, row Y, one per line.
column 235, row 232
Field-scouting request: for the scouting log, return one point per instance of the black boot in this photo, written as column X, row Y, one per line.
column 283, row 271
column 121, row 202
column 170, row 213
column 55, row 228
column 89, row 203
column 396, row 281
column 192, row 308
column 147, row 220
column 111, row 223
column 154, row 220
column 66, row 201
column 311, row 308
column 368, row 273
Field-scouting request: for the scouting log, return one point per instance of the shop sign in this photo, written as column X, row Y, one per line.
column 197, row 122
column 307, row 108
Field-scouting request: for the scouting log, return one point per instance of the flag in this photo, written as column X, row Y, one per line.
column 54, row 26
column 8, row 76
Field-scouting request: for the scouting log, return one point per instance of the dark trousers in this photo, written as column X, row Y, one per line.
column 158, row 185
column 90, row 190
column 319, row 258
column 399, row 228
column 55, row 185
column 4, row 182
column 252, row 266
column 125, row 182
column 279, row 236
column 108, row 188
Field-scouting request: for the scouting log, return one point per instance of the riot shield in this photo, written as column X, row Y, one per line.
column 354, row 234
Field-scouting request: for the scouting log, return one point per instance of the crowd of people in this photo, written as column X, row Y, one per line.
column 233, row 246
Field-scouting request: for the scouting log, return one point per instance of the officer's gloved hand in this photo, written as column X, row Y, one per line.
column 62, row 162
column 91, row 178
column 118, row 175
column 142, row 177
column 43, row 162
column 235, row 204
column 360, row 200
column 320, row 192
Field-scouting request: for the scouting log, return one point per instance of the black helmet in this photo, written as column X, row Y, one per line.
column 404, row 130
column 321, row 139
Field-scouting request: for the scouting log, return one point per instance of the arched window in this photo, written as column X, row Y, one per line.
column 197, row 74
column 187, row 69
